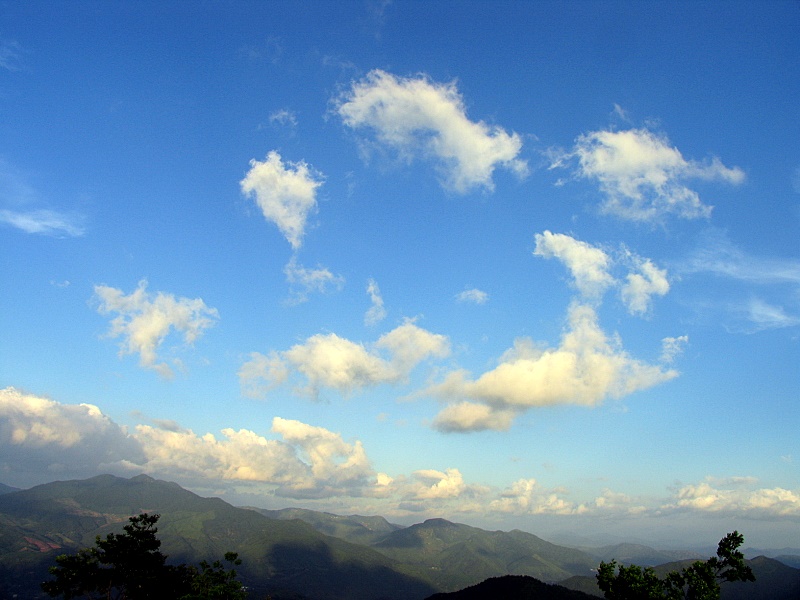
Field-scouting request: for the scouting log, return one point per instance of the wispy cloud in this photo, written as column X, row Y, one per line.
column 420, row 118
column 21, row 207
column 473, row 296
column 304, row 281
column 10, row 55
column 44, row 222
column 285, row 193
column 642, row 176
column 770, row 287
column 145, row 320
column 376, row 312
column 283, row 116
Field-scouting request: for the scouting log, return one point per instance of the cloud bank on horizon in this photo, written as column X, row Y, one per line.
column 301, row 461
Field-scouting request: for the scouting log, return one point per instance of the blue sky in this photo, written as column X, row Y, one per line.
column 515, row 264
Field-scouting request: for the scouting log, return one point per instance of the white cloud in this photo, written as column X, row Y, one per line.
column 640, row 286
column 739, row 497
column 330, row 361
column 327, row 360
column 585, row 369
column 286, row 194
column 591, row 268
column 309, row 462
column 642, row 176
column 474, row 296
column 51, row 440
column 376, row 313
column 589, row 265
column 144, row 321
column 303, row 281
column 409, row 345
column 39, row 436
column 467, row 416
column 417, row 117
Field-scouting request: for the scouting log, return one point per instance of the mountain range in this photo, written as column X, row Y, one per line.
column 295, row 554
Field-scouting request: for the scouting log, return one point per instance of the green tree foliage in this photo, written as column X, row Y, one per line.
column 699, row 581
column 130, row 566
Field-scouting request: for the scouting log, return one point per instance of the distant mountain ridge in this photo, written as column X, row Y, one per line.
column 299, row 554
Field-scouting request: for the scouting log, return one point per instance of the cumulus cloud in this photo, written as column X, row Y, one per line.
column 585, row 369
column 332, row 462
column 39, row 435
column 285, row 193
column 376, row 313
column 642, row 176
column 330, row 361
column 526, row 496
column 473, row 296
column 588, row 264
column 736, row 496
column 308, row 462
column 437, row 484
column 145, row 320
column 51, row 440
column 418, row 117
column 304, row 281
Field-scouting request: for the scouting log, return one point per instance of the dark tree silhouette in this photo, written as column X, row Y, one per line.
column 130, row 566
column 699, row 581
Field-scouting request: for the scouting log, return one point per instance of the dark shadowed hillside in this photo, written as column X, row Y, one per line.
column 516, row 587
column 356, row 529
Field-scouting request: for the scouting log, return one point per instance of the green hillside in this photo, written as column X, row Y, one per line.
column 279, row 556
column 456, row 555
